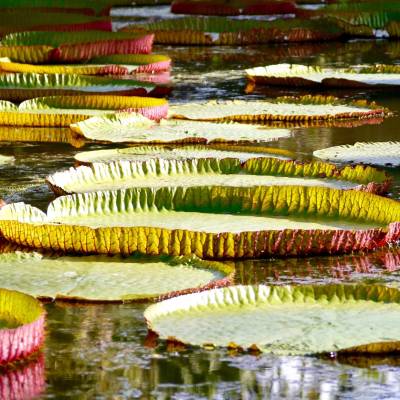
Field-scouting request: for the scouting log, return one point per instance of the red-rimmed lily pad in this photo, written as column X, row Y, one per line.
column 210, row 222
column 21, row 325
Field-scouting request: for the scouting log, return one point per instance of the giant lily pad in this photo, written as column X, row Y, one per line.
column 28, row 19
column 112, row 65
column 236, row 7
column 41, row 135
column 21, row 325
column 135, row 128
column 311, row 108
column 61, row 111
column 21, row 86
column 156, row 173
column 114, row 279
column 226, row 31
column 26, row 54
column 210, row 222
column 143, row 153
column 309, row 76
column 377, row 153
column 79, row 46
column 284, row 319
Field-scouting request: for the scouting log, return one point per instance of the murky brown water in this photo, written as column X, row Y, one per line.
column 101, row 351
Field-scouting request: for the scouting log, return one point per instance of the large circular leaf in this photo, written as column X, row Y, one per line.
column 284, row 319
column 113, row 279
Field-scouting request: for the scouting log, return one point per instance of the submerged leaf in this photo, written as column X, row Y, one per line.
column 376, row 153
column 210, row 222
column 109, row 278
column 292, row 320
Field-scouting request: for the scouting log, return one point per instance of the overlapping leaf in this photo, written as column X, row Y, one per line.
column 22, row 86
column 134, row 128
column 217, row 222
column 80, row 46
column 109, row 278
column 284, row 319
column 61, row 111
column 156, row 173
column 377, row 153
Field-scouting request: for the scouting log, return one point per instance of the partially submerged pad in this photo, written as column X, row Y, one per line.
column 184, row 152
column 62, row 111
column 208, row 171
column 101, row 278
column 376, row 153
column 21, row 325
column 314, row 76
column 295, row 320
column 22, row 86
column 226, row 31
column 134, row 128
column 80, row 46
column 210, row 222
column 112, row 65
column 306, row 108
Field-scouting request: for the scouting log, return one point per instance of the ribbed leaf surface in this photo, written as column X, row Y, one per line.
column 210, row 222
column 299, row 320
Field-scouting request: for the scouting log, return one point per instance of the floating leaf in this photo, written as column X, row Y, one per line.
column 27, row 54
column 109, row 278
column 62, row 111
column 376, row 153
column 135, row 63
column 292, row 320
column 43, row 135
column 29, row 19
column 79, row 46
column 134, row 128
column 157, row 173
column 21, row 86
column 226, row 31
column 142, row 153
column 21, row 325
column 310, row 76
column 210, row 222
column 311, row 108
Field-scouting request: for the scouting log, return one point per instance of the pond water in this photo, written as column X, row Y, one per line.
column 103, row 352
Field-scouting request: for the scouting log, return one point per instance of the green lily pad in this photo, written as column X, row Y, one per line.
column 135, row 128
column 310, row 76
column 113, row 279
column 284, row 319
column 156, row 173
column 210, row 222
column 376, row 153
column 143, row 153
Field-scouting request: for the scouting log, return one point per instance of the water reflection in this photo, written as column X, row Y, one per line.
column 23, row 382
